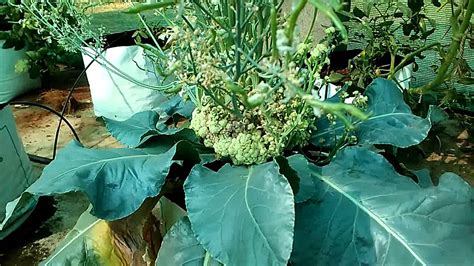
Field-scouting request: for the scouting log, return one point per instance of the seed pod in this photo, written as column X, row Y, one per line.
column 255, row 100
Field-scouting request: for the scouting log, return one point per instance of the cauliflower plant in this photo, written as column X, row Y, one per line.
column 260, row 134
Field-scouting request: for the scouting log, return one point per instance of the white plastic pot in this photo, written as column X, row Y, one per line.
column 403, row 77
column 13, row 84
column 118, row 98
column 16, row 172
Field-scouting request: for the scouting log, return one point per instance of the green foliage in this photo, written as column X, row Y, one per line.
column 139, row 128
column 93, row 242
column 180, row 247
column 278, row 207
column 77, row 248
column 357, row 209
column 376, row 29
column 252, row 78
column 18, row 31
column 391, row 120
column 242, row 215
column 366, row 213
column 304, row 171
column 80, row 169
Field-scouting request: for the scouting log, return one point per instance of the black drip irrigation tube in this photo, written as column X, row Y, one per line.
column 45, row 160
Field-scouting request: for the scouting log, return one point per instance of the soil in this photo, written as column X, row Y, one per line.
column 49, row 223
column 448, row 148
column 110, row 7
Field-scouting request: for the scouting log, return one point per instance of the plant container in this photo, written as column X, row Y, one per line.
column 16, row 174
column 13, row 84
column 116, row 97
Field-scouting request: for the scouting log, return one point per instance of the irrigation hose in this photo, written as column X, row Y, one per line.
column 52, row 111
column 45, row 160
column 71, row 91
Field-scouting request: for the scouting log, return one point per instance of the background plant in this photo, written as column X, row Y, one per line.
column 387, row 32
column 44, row 53
column 398, row 28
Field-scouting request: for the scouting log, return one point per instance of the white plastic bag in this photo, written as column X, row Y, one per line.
column 13, row 84
column 16, row 172
column 115, row 97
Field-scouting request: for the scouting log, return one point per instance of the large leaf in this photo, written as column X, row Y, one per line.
column 305, row 171
column 180, row 247
column 242, row 215
column 134, row 131
column 176, row 106
column 90, row 242
column 142, row 126
column 390, row 122
column 366, row 213
column 116, row 181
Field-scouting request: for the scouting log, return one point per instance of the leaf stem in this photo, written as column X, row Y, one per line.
column 293, row 19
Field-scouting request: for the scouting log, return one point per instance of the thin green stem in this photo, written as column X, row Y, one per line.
column 452, row 51
column 409, row 58
column 294, row 19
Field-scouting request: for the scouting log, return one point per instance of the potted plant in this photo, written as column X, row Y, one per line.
column 247, row 167
column 31, row 56
column 13, row 40
column 117, row 69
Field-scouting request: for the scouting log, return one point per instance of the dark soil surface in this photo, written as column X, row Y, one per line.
column 448, row 148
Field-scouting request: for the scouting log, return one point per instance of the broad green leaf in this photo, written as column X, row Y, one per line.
column 16, row 212
column 305, row 171
column 180, row 247
column 116, row 181
column 391, row 121
column 168, row 213
column 134, row 131
column 436, row 115
column 288, row 172
column 424, row 177
column 142, row 126
column 89, row 243
column 242, row 215
column 366, row 213
column 176, row 106
column 327, row 132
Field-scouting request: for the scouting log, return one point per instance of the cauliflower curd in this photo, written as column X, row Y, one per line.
column 260, row 134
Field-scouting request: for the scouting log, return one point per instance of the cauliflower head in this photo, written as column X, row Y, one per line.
column 258, row 135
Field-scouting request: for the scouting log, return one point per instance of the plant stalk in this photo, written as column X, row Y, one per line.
column 452, row 51
column 293, row 19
